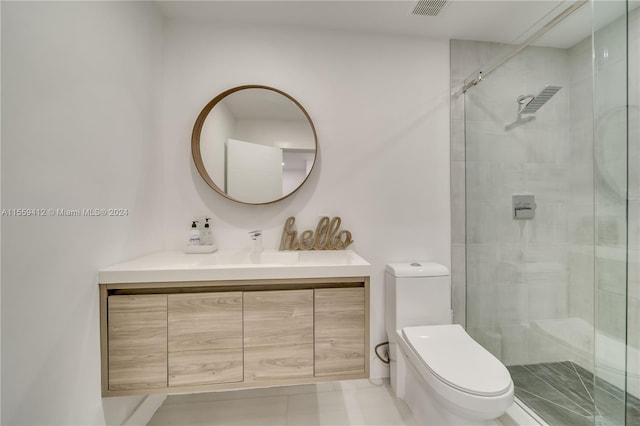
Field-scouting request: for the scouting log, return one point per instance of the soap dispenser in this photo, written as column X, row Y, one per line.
column 207, row 234
column 200, row 241
column 194, row 234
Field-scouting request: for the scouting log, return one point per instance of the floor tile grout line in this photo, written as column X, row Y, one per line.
column 595, row 378
column 557, row 405
column 584, row 386
column 559, row 389
column 596, row 410
column 556, row 389
column 528, row 369
column 602, row 388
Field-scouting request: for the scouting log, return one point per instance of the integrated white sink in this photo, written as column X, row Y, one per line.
column 239, row 264
column 245, row 257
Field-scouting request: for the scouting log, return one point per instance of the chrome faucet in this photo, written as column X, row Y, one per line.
column 256, row 236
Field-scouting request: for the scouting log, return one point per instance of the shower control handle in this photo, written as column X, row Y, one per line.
column 524, row 206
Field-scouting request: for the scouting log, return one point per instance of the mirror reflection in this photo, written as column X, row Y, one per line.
column 254, row 144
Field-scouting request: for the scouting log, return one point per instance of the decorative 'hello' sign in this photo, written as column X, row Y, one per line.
column 326, row 236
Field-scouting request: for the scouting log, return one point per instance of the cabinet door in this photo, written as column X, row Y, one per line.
column 205, row 338
column 339, row 331
column 137, row 327
column 278, row 335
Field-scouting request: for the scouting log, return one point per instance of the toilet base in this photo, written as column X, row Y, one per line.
column 397, row 370
column 428, row 404
column 428, row 408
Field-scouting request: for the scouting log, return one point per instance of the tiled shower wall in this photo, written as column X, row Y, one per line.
column 581, row 223
column 466, row 57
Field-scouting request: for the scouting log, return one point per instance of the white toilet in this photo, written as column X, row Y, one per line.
column 445, row 377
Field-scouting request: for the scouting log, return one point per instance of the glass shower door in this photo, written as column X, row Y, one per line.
column 553, row 219
column 530, row 221
column 615, row 352
column 633, row 225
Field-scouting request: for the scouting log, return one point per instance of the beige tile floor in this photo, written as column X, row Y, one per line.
column 356, row 402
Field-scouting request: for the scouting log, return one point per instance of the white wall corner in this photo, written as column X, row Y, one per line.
column 0, row 245
column 145, row 410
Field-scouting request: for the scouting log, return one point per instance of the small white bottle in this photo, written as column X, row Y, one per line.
column 207, row 234
column 194, row 234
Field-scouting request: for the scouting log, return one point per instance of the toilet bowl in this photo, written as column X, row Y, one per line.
column 445, row 377
column 450, row 379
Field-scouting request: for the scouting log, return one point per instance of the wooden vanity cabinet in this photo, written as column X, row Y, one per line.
column 199, row 336
column 205, row 338
column 339, row 331
column 137, row 342
column 278, row 335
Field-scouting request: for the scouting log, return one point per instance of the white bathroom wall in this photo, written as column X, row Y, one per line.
column 288, row 134
column 216, row 131
column 81, row 130
column 380, row 107
column 79, row 97
column 0, row 232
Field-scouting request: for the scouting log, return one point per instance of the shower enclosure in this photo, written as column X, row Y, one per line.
column 551, row 167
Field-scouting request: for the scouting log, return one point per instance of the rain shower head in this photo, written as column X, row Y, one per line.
column 531, row 104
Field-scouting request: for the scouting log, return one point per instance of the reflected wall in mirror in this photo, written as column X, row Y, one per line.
column 254, row 144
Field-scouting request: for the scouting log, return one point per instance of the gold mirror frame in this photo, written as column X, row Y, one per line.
column 197, row 130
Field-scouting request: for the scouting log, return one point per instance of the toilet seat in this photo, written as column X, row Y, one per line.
column 452, row 356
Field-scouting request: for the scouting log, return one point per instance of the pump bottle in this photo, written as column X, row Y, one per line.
column 194, row 234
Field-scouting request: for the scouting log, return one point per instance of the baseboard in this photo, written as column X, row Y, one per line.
column 145, row 410
column 520, row 415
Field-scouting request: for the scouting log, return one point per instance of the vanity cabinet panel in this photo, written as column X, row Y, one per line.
column 137, row 342
column 278, row 335
column 188, row 368
column 195, row 336
column 205, row 338
column 339, row 331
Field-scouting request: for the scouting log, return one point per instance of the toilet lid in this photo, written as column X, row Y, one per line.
column 456, row 359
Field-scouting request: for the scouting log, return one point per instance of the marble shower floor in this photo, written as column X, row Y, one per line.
column 563, row 394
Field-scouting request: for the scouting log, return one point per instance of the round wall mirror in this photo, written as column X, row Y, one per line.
column 254, row 144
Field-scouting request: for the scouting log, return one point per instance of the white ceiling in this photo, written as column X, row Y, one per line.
column 499, row 21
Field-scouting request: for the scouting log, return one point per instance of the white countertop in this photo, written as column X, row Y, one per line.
column 239, row 264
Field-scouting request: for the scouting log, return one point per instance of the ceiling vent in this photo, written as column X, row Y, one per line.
column 429, row 7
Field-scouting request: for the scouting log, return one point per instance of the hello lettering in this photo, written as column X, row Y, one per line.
column 327, row 236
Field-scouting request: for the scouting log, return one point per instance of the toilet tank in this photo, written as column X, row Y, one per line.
column 417, row 293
